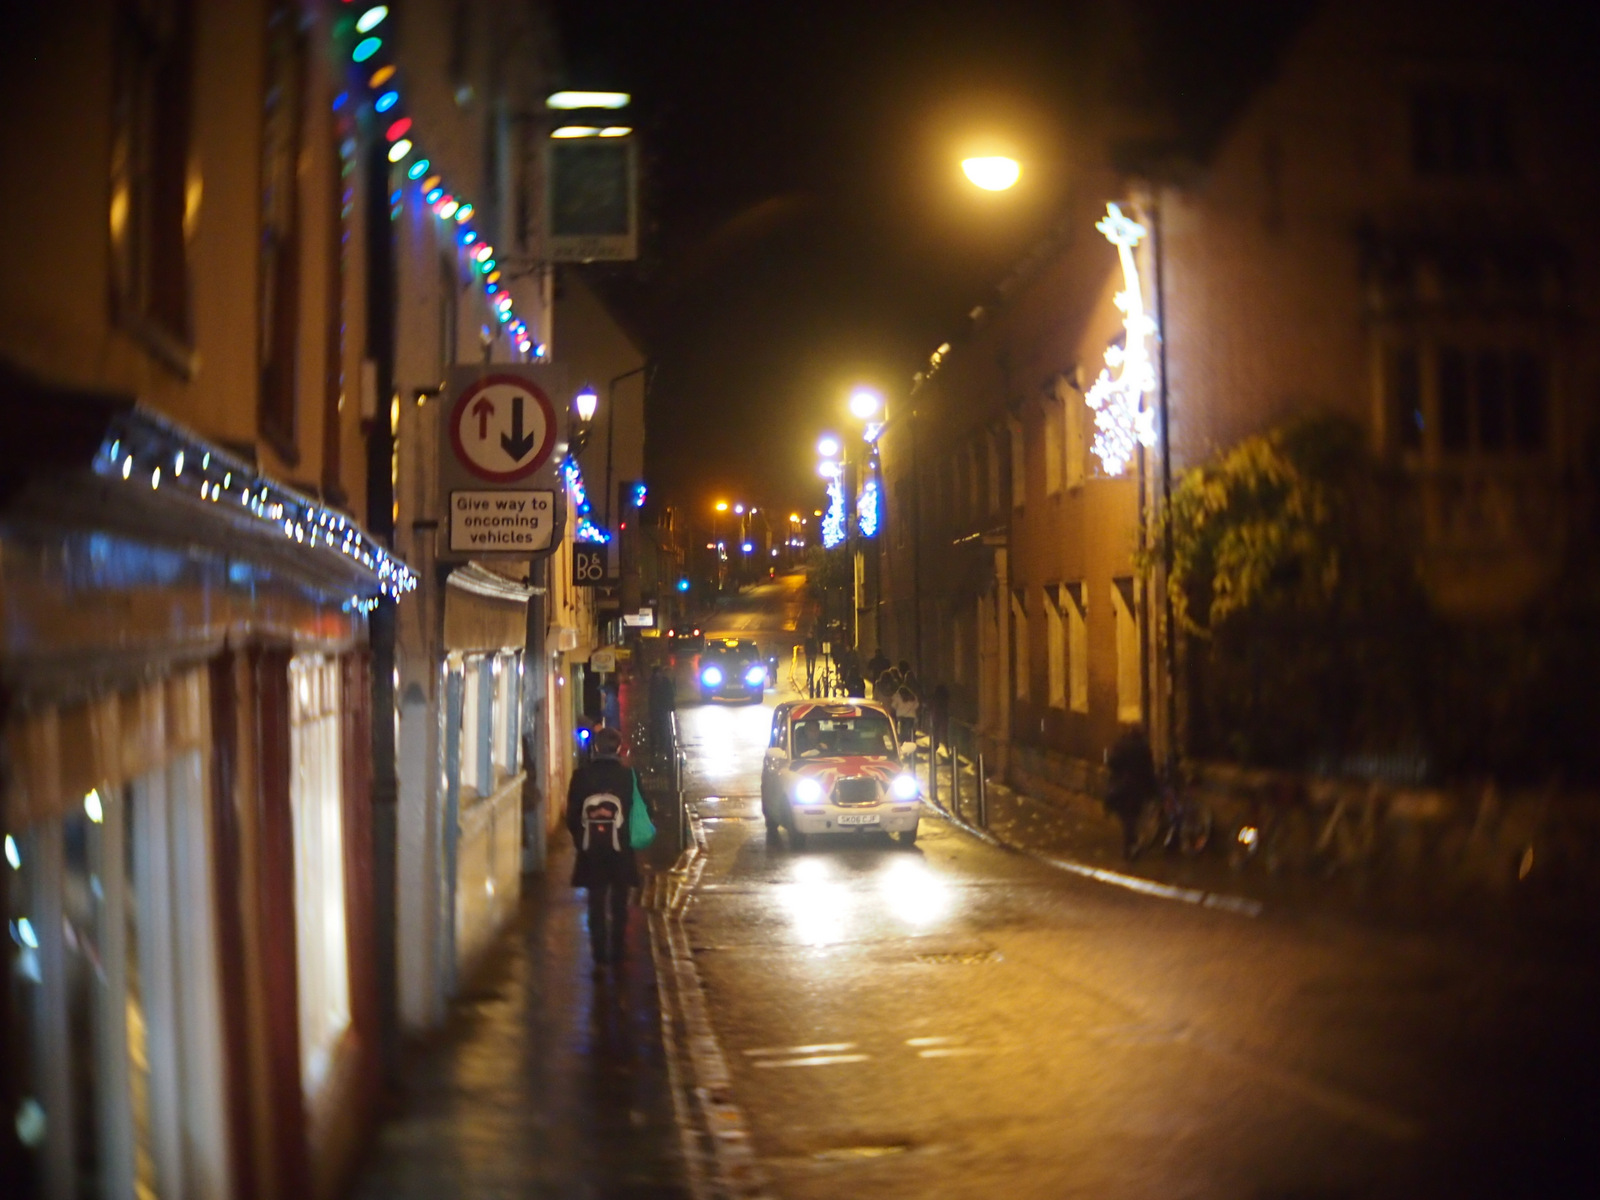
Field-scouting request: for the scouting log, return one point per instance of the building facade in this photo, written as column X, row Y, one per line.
column 1387, row 230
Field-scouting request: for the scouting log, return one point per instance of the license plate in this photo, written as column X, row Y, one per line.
column 857, row 819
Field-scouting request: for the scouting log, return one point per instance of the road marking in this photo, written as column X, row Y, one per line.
column 932, row 1041
column 791, row 1051
column 818, row 1060
column 950, row 1052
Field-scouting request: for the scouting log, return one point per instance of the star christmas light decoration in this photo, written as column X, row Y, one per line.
column 1121, row 421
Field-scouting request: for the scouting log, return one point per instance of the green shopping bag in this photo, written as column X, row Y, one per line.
column 641, row 829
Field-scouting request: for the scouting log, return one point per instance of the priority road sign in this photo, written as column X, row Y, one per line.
column 502, row 428
column 500, row 486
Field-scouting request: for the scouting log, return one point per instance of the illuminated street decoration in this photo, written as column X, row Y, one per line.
column 387, row 97
column 833, row 522
column 867, row 508
column 1120, row 419
column 585, row 530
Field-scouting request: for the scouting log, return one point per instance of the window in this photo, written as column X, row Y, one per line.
column 282, row 121
column 1075, row 602
column 1019, row 466
column 1056, row 639
column 1491, row 401
column 154, row 203
column 1073, row 411
column 1053, row 453
column 1403, row 382
column 992, row 478
column 958, row 648
column 316, row 802
column 1125, row 615
column 1460, row 132
column 1019, row 642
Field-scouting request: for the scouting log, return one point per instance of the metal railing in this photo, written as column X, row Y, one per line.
column 956, row 779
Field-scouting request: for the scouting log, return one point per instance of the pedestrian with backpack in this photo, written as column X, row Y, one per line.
column 609, row 820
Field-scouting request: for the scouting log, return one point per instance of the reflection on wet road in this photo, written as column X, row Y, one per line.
column 954, row 1020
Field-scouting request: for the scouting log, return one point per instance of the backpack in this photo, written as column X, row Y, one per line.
column 603, row 816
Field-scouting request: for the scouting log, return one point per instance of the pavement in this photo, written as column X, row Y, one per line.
column 543, row 1082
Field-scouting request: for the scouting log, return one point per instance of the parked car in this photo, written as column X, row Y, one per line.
column 731, row 669
column 834, row 767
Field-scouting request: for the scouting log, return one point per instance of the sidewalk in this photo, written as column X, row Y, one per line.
column 543, row 1082
column 1077, row 833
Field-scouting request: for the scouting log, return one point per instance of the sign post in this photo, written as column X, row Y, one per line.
column 500, row 478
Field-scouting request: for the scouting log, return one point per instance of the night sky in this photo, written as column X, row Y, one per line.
column 809, row 226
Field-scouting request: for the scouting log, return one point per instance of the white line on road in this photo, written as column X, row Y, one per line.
column 950, row 1052
column 818, row 1060
column 792, row 1051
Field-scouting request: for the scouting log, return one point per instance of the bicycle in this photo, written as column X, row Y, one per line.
column 1176, row 819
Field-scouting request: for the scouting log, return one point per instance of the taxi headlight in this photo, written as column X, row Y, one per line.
column 808, row 791
column 755, row 675
column 905, row 787
column 711, row 676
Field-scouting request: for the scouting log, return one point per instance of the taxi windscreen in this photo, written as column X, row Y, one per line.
column 869, row 735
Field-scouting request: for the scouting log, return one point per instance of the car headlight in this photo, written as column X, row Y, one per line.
column 808, row 791
column 755, row 675
column 905, row 787
column 711, row 677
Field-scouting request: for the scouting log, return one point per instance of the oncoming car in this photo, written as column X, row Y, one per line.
column 730, row 669
column 834, row 767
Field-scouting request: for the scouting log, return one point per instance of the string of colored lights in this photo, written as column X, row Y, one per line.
column 584, row 529
column 378, row 77
column 144, row 450
column 1120, row 418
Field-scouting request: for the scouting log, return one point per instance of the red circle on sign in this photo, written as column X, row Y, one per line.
column 547, row 410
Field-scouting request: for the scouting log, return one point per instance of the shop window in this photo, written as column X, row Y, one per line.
column 316, row 801
column 1019, row 643
column 114, row 990
column 1125, row 618
column 153, row 205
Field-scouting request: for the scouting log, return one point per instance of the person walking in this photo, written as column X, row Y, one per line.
column 600, row 804
column 905, row 706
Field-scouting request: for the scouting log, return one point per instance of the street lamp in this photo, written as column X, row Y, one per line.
column 828, row 446
column 993, row 173
column 587, row 402
column 865, row 404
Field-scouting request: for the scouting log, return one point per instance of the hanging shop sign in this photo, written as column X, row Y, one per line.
column 499, row 472
column 591, row 199
column 588, row 565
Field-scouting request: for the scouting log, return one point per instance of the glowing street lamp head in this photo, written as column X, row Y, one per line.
column 865, row 404
column 828, row 447
column 586, row 402
column 992, row 174
column 739, row 508
column 722, row 506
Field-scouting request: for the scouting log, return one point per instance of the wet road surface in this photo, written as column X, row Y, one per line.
column 957, row 1020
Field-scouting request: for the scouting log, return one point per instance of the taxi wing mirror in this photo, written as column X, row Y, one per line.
column 907, row 749
column 775, row 755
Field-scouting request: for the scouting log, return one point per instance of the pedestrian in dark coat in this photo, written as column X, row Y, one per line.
column 1131, row 782
column 599, row 806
